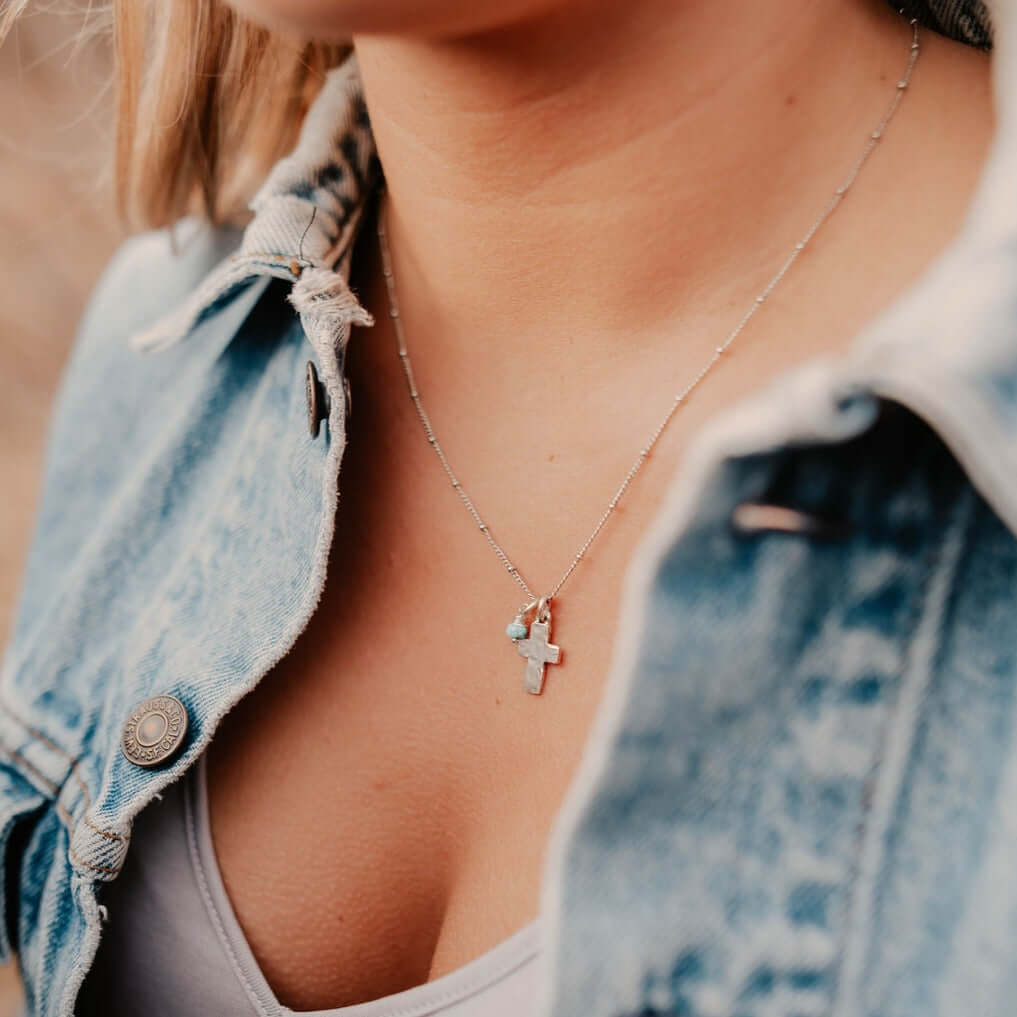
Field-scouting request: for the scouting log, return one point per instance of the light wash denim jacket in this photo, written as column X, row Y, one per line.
column 799, row 798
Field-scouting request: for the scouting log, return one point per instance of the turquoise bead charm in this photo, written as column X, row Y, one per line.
column 516, row 629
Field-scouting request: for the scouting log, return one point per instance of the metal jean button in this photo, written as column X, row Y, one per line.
column 154, row 731
column 317, row 400
column 756, row 517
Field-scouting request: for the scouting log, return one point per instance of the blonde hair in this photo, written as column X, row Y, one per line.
column 206, row 101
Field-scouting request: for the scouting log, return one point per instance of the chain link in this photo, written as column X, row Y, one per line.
column 680, row 398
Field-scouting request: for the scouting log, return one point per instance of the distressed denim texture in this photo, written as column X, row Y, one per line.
column 799, row 798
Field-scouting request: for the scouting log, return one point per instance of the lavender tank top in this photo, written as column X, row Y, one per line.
column 172, row 946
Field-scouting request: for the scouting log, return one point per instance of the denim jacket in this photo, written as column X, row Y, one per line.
column 799, row 796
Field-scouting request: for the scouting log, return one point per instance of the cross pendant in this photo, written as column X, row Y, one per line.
column 538, row 652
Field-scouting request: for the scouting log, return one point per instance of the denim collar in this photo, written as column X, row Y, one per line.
column 305, row 218
column 946, row 347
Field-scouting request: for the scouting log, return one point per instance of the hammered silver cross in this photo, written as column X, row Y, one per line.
column 538, row 652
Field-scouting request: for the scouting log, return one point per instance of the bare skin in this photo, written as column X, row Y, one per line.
column 381, row 802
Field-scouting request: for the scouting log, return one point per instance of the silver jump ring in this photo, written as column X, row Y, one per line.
column 524, row 611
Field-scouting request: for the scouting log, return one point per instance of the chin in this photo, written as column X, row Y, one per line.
column 337, row 20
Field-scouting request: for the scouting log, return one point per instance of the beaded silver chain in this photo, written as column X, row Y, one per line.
column 533, row 639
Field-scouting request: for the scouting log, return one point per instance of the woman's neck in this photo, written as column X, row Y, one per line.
column 592, row 172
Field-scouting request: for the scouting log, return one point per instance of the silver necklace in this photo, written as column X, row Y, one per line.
column 530, row 629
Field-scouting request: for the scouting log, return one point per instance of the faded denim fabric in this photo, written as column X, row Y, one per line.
column 799, row 798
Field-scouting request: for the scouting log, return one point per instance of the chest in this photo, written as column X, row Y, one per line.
column 381, row 803
column 377, row 837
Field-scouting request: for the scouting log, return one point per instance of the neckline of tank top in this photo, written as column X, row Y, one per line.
column 429, row 998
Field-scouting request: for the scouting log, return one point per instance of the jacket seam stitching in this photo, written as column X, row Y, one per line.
column 74, row 857
column 66, row 819
column 74, row 771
